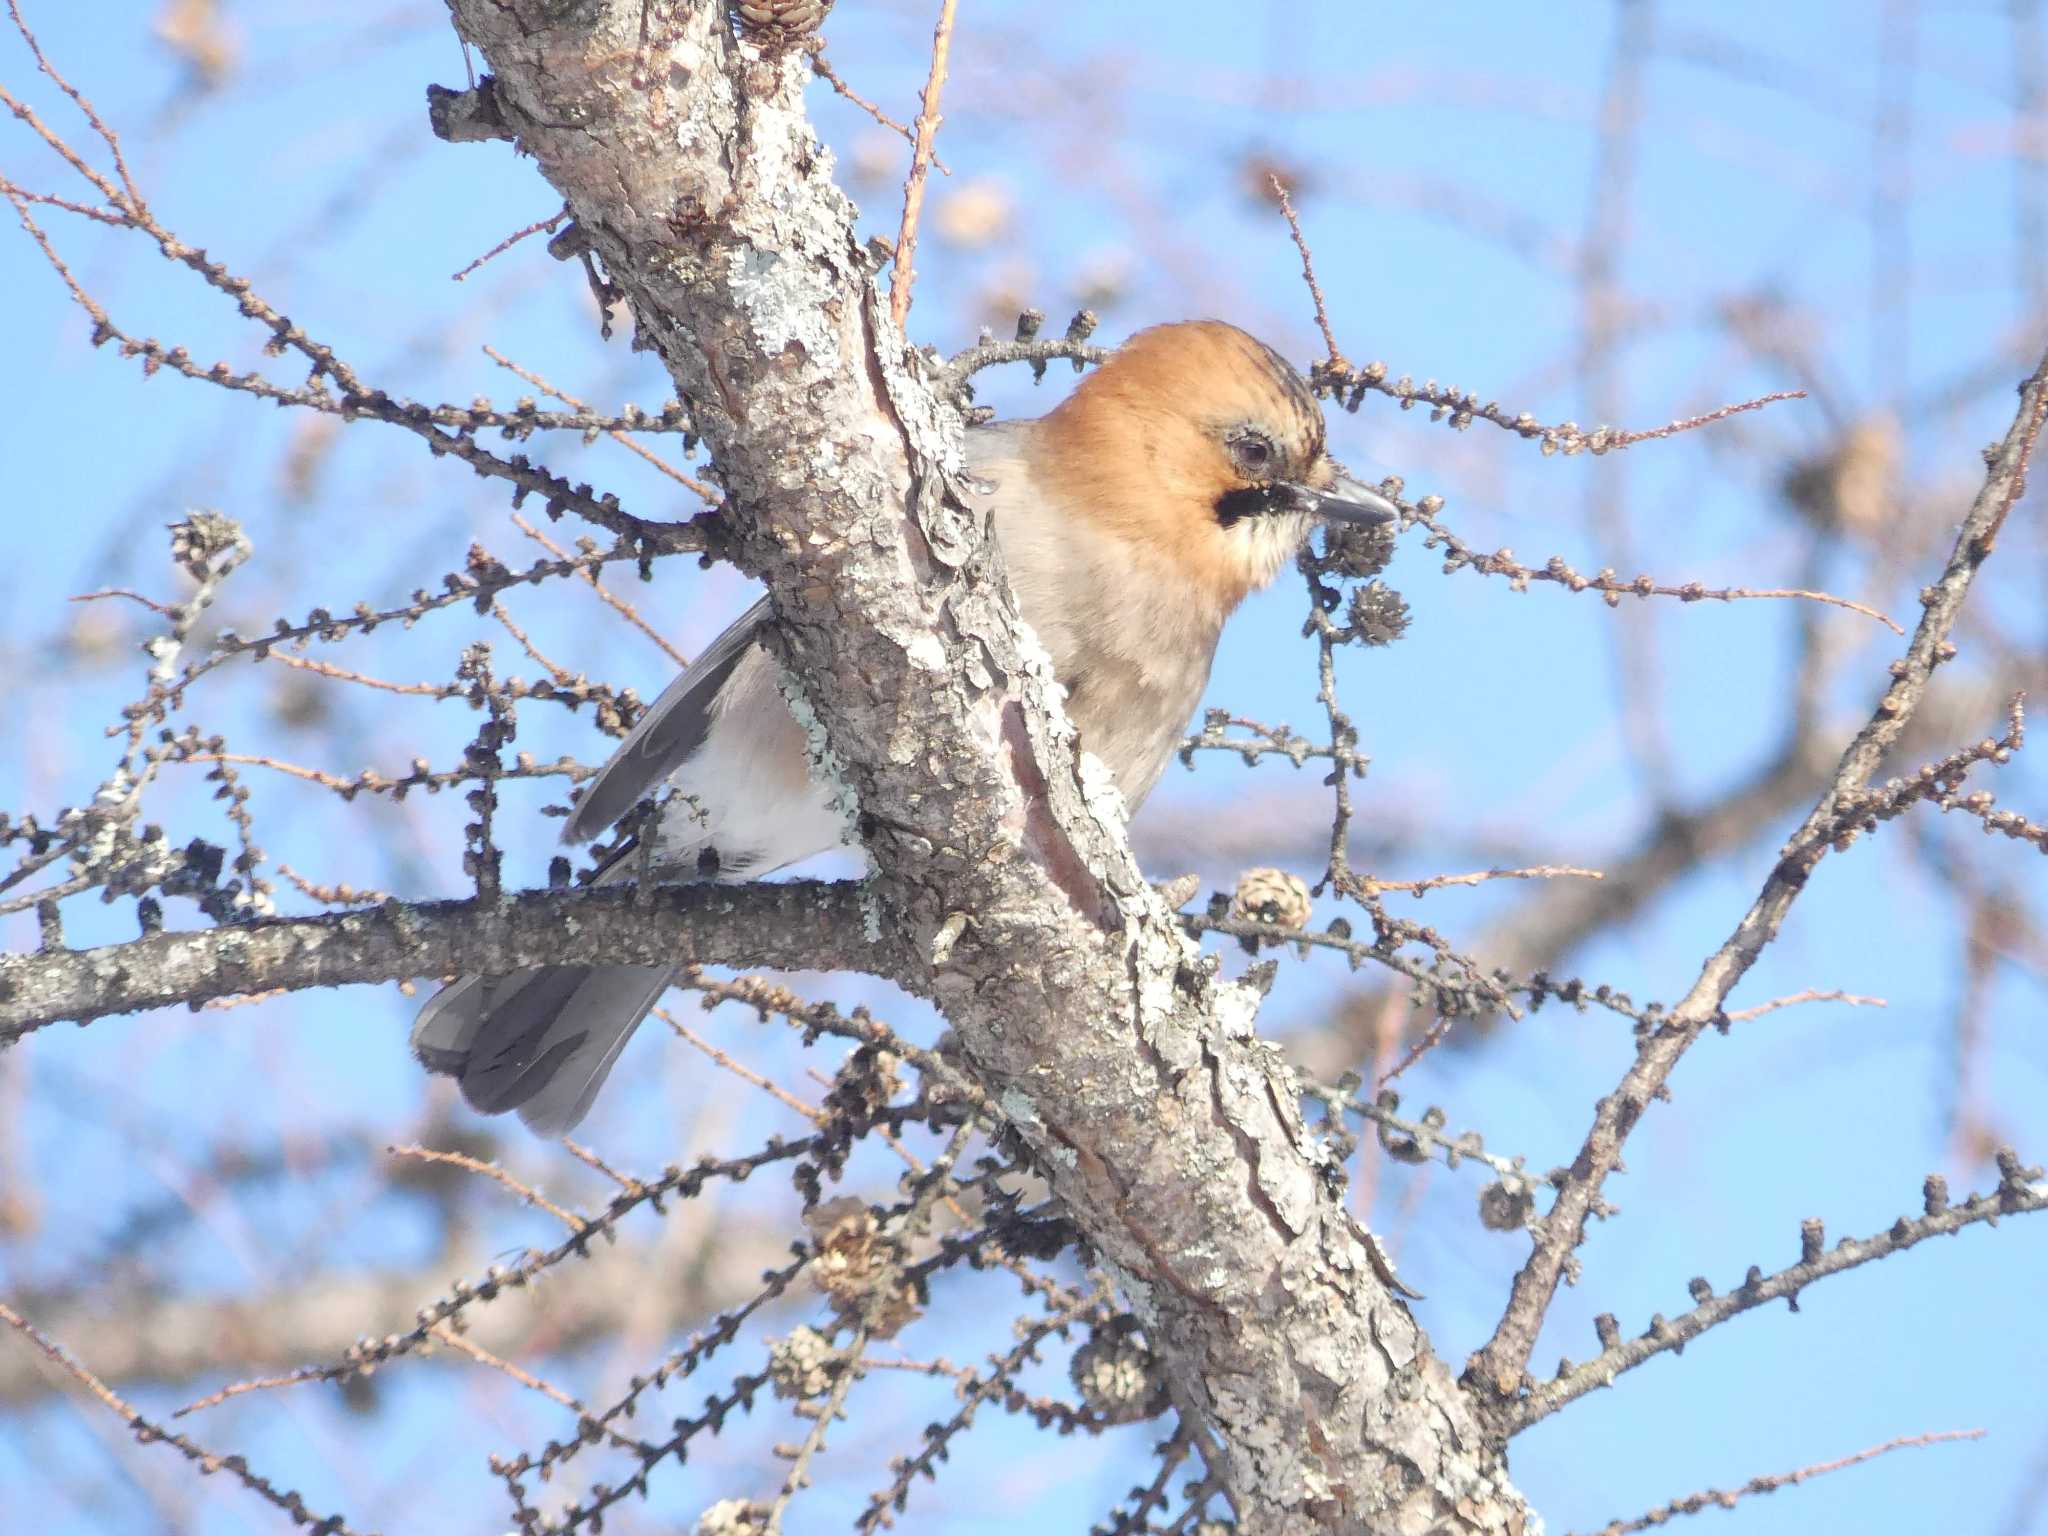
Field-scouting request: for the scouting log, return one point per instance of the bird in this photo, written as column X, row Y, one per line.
column 1178, row 476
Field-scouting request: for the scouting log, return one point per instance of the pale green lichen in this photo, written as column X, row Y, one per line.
column 826, row 770
column 1019, row 1109
column 783, row 305
column 1139, row 1293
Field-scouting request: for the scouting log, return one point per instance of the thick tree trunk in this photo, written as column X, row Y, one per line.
column 1169, row 1131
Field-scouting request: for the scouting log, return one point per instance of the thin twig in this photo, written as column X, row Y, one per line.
column 1422, row 1137
column 848, row 1367
column 334, row 895
column 369, row 781
column 1500, row 1367
column 1480, row 877
column 107, row 135
column 920, row 167
column 1691, row 423
column 147, row 1432
column 52, row 200
column 351, row 397
column 611, row 600
column 1810, row 995
column 740, row 1070
column 105, row 592
column 2021, row 1191
column 710, row 496
column 519, row 1187
column 538, row 227
column 1308, row 271
column 553, row 668
column 1725, row 1498
column 1611, row 586
column 342, row 674
column 822, row 68
column 590, row 1159
column 369, row 1354
column 585, row 1422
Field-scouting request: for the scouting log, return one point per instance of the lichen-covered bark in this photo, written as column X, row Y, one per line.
column 1169, row 1131
column 792, row 926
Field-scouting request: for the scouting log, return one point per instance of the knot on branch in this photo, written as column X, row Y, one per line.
column 474, row 116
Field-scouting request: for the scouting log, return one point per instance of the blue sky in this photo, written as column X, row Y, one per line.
column 1447, row 159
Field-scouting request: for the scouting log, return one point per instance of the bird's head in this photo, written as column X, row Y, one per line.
column 1204, row 448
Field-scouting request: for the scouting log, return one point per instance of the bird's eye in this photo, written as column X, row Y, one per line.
column 1253, row 452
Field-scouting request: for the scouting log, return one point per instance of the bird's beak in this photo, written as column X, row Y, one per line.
column 1346, row 500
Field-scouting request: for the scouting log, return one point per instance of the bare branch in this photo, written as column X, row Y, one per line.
column 1480, row 877
column 1500, row 1365
column 795, row 926
column 136, row 1334
column 1706, row 419
column 2020, row 1191
column 537, row 227
column 1725, row 1498
column 490, row 1170
column 613, row 433
column 1810, row 995
column 822, row 68
column 1461, row 407
column 1308, row 271
column 148, row 1432
column 766, row 312
column 928, row 120
column 1607, row 583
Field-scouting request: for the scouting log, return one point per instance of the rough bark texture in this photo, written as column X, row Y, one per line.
column 796, row 926
column 1170, row 1132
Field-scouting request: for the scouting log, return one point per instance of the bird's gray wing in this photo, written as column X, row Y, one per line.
column 673, row 727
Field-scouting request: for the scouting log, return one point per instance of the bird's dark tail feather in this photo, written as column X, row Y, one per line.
column 539, row 1041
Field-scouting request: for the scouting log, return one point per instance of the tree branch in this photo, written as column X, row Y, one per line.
column 2019, row 1192
column 802, row 925
column 1500, row 1367
column 1170, row 1134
